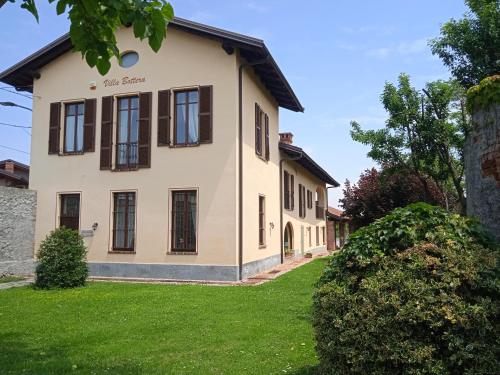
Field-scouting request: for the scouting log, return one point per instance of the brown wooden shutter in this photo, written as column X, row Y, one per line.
column 54, row 127
column 300, row 200
column 292, row 192
column 258, row 131
column 144, row 146
column 286, row 190
column 303, row 201
column 205, row 114
column 106, row 132
column 89, row 125
column 164, row 116
column 267, row 136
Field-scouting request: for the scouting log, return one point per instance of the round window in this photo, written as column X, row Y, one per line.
column 129, row 59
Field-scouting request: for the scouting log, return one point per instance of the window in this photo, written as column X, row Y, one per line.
column 73, row 128
column 184, row 221
column 310, row 236
column 69, row 215
column 317, row 235
column 186, row 127
column 262, row 220
column 261, row 133
column 128, row 132
column 128, row 59
column 323, row 234
column 124, row 221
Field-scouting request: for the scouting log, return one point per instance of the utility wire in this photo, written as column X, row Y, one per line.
column 14, row 149
column 15, row 126
column 15, row 92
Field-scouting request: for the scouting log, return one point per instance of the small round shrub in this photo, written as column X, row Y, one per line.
column 416, row 292
column 61, row 260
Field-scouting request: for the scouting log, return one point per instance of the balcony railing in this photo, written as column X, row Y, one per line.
column 126, row 155
column 320, row 212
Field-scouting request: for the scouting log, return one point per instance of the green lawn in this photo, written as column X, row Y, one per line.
column 122, row 328
column 8, row 279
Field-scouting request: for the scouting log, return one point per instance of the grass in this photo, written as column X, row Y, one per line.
column 8, row 279
column 122, row 328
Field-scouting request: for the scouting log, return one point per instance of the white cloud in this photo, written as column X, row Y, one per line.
column 407, row 48
column 373, row 30
column 366, row 121
column 257, row 7
column 202, row 17
column 379, row 53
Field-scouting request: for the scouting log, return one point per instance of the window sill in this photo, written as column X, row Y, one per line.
column 71, row 153
column 262, row 246
column 182, row 252
column 128, row 169
column 187, row 145
column 121, row 252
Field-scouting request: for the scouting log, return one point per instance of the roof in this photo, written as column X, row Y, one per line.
column 301, row 157
column 335, row 213
column 13, row 176
column 251, row 49
column 16, row 163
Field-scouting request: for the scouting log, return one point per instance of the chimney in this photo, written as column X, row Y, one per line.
column 286, row 138
column 9, row 166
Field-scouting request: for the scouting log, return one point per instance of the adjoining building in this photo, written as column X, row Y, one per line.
column 14, row 174
column 171, row 166
column 338, row 228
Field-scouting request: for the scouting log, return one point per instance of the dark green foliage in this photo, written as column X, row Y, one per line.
column 470, row 47
column 416, row 292
column 61, row 260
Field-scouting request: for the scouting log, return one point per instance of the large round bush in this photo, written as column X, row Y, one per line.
column 416, row 292
column 61, row 260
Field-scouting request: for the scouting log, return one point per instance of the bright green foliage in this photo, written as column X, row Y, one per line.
column 484, row 94
column 125, row 328
column 94, row 23
column 416, row 292
column 61, row 260
column 424, row 134
column 470, row 47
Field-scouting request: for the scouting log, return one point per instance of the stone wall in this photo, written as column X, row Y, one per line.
column 17, row 230
column 482, row 168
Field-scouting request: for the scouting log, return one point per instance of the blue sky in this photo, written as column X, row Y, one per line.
column 336, row 54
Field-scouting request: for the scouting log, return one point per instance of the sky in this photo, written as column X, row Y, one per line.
column 336, row 54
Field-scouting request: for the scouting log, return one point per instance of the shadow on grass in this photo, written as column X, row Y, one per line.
column 307, row 370
column 17, row 357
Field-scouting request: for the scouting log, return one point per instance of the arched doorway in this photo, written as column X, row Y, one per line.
column 288, row 240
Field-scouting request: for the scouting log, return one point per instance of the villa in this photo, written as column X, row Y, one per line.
column 172, row 166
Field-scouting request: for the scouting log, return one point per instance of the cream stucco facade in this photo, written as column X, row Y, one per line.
column 212, row 170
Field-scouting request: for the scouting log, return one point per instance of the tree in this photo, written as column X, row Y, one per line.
column 424, row 134
column 376, row 194
column 470, row 47
column 94, row 23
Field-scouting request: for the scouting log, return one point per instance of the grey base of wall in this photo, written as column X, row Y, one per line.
column 316, row 250
column 181, row 271
column 17, row 267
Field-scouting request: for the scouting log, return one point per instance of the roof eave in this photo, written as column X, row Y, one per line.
column 307, row 162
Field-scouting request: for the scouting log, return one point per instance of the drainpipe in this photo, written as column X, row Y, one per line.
column 281, row 204
column 240, row 160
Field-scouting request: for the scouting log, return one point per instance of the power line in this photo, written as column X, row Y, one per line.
column 15, row 126
column 15, row 92
column 14, row 149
